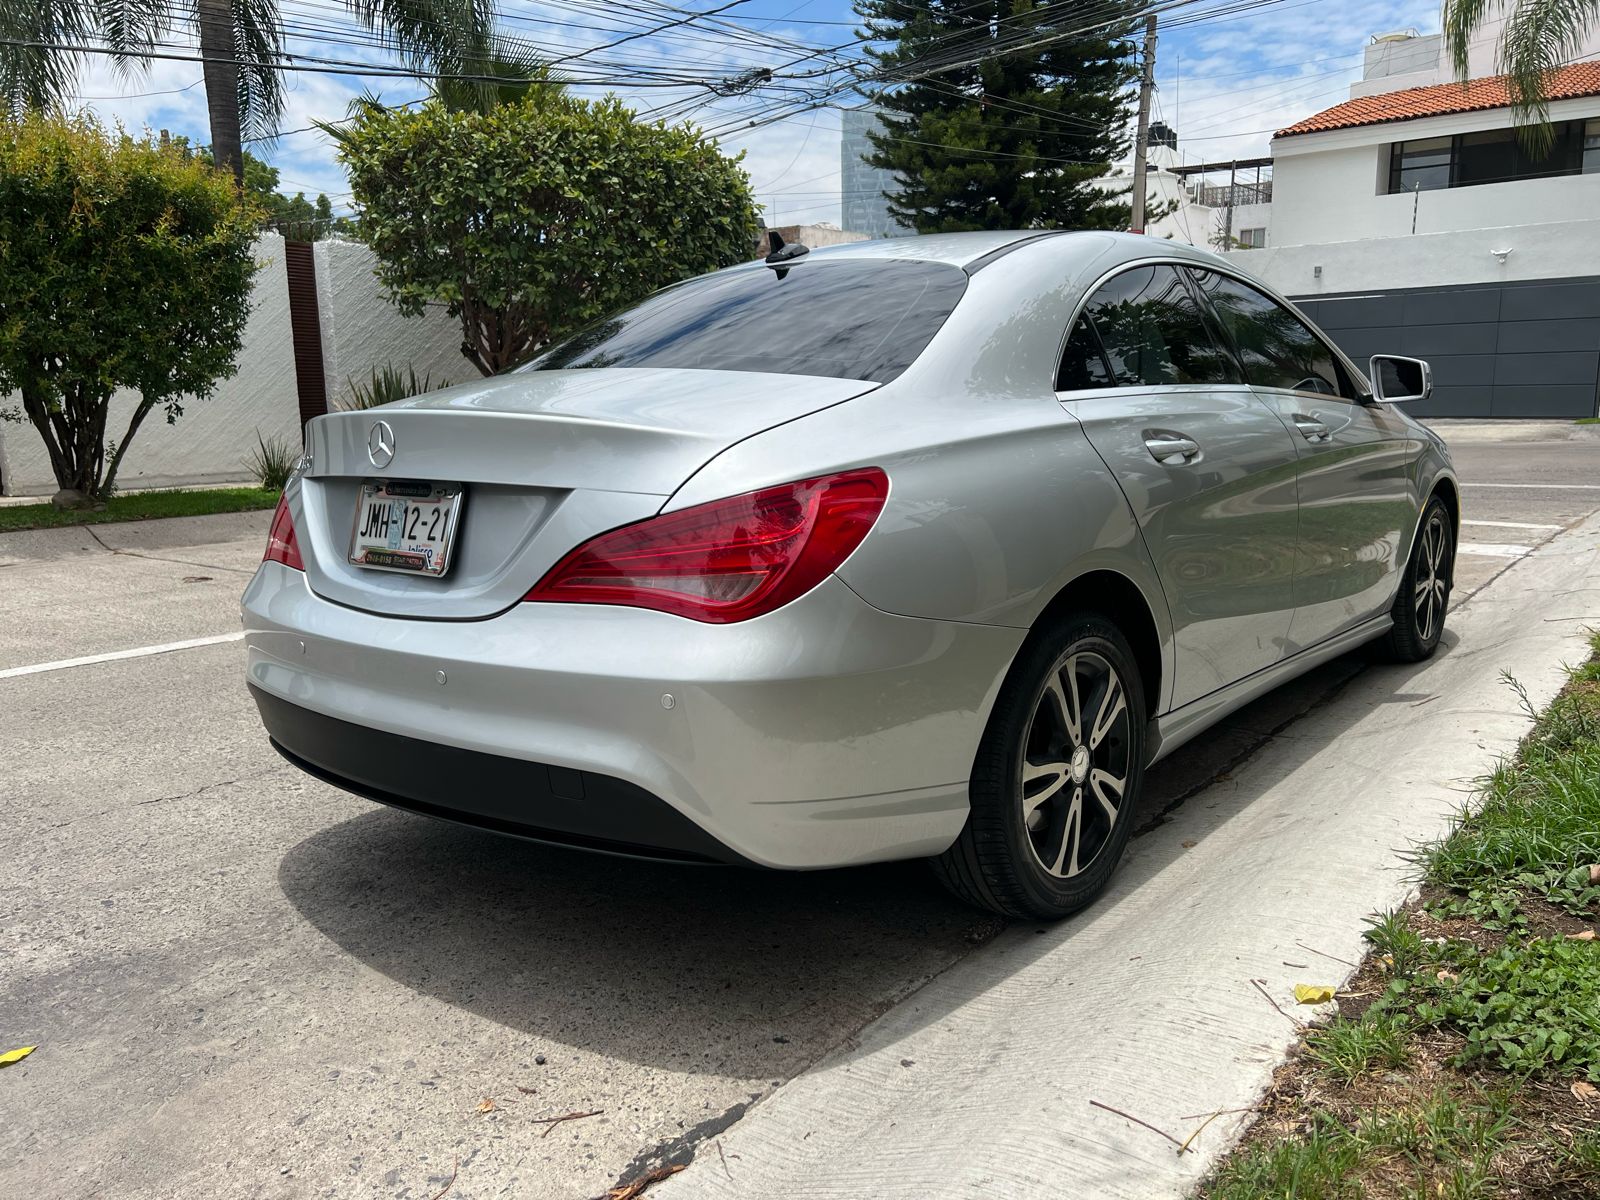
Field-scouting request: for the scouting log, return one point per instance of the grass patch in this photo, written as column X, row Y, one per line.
column 1524, row 1008
column 1318, row 1165
column 1432, row 1144
column 1587, row 421
column 1347, row 1049
column 141, row 507
column 1466, row 1058
column 1539, row 816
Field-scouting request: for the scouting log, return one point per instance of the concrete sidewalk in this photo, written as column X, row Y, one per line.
column 154, row 534
column 986, row 1081
column 94, row 589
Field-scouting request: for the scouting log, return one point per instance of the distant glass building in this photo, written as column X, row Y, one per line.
column 864, row 210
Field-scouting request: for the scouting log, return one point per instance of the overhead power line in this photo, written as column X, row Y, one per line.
column 309, row 65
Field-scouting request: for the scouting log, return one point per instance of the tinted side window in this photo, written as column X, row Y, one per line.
column 1153, row 331
column 1082, row 364
column 1277, row 349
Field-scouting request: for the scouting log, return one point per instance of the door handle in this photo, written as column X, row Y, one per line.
column 1169, row 448
column 1311, row 428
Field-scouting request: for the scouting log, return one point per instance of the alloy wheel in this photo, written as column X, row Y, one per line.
column 1075, row 763
column 1433, row 574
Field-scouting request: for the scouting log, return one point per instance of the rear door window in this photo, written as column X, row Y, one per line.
column 1276, row 348
column 853, row 319
column 1154, row 333
column 1082, row 364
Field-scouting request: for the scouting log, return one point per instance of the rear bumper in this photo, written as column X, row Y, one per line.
column 824, row 734
column 490, row 791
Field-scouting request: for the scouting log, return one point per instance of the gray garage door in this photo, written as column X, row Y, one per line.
column 1497, row 350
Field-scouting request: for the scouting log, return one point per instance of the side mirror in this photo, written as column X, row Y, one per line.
column 1397, row 380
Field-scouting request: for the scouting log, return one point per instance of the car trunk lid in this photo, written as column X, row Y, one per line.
column 547, row 460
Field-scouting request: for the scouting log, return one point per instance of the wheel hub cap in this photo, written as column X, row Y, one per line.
column 1433, row 576
column 1075, row 763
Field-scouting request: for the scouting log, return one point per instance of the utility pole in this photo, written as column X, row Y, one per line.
column 1141, row 144
column 1227, row 230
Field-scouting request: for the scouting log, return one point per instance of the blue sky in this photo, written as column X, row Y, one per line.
column 1224, row 83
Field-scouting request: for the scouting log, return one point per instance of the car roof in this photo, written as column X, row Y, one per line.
column 957, row 249
column 968, row 250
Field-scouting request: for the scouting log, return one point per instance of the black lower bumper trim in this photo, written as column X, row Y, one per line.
column 489, row 791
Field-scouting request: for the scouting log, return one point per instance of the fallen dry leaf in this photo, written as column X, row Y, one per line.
column 1309, row 993
column 1190, row 844
column 1585, row 1091
column 1586, row 936
column 16, row 1056
column 487, row 1105
column 1594, row 872
column 629, row 1190
column 1446, row 976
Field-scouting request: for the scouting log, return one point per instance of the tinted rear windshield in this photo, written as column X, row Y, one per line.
column 848, row 320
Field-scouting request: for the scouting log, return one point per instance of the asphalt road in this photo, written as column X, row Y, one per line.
column 246, row 983
column 1524, row 481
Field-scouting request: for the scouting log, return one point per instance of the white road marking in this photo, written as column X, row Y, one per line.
column 1493, row 549
column 117, row 655
column 1511, row 525
column 1541, row 487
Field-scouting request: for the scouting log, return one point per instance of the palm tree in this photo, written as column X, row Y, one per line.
column 43, row 43
column 1538, row 37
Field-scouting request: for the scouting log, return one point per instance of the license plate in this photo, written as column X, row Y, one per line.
column 405, row 525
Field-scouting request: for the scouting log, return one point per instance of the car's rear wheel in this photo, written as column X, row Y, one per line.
column 1056, row 777
column 1424, row 596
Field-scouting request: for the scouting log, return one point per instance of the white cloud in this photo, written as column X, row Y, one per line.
column 1227, row 86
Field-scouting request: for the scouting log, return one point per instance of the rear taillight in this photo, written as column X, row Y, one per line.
column 281, row 544
column 728, row 560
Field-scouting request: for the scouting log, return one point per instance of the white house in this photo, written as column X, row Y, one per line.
column 1436, row 159
column 1412, row 219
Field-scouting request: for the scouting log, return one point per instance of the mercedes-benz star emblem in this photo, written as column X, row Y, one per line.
column 380, row 444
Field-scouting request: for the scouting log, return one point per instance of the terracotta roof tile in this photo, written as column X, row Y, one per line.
column 1573, row 80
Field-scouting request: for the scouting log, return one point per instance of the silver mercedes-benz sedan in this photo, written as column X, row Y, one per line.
column 924, row 547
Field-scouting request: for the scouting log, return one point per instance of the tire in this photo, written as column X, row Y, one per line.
column 1424, row 596
column 1053, row 799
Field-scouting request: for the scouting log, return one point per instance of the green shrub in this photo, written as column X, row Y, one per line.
column 272, row 461
column 534, row 218
column 387, row 385
column 123, row 264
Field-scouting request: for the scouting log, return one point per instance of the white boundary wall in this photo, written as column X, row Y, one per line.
column 213, row 438
column 361, row 330
column 1558, row 250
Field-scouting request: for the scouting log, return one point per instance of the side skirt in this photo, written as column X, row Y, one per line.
column 1177, row 727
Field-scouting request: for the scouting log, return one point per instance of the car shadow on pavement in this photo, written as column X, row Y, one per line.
column 695, row 969
column 700, row 969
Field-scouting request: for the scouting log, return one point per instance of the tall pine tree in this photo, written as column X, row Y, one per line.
column 1010, row 141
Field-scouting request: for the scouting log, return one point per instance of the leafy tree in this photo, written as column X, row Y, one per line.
column 531, row 219
column 241, row 43
column 1009, row 141
column 261, row 186
column 123, row 264
column 1538, row 37
column 313, row 217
